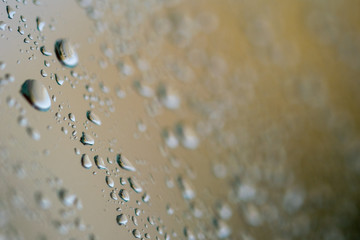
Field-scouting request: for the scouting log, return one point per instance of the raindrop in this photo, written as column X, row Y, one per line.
column 222, row 229
column 93, row 118
column 189, row 234
column 22, row 121
column 43, row 73
column 109, row 181
column 135, row 185
column 10, row 11
column 66, row 54
column 124, row 163
column 86, row 139
column 121, row 219
column 85, row 161
column 124, row 195
column 113, row 195
column 143, row 90
column 36, row 94
column 137, row 211
column 99, row 161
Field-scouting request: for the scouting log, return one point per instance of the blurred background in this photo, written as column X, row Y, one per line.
column 179, row 119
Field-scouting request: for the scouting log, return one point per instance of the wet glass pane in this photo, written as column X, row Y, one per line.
column 179, row 119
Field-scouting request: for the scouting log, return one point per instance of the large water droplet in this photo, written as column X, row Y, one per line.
column 85, row 161
column 36, row 94
column 66, row 54
column 135, row 185
column 121, row 219
column 124, row 163
column 86, row 139
column 93, row 118
column 124, row 195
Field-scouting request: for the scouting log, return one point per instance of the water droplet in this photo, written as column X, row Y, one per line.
column 124, row 195
column 99, row 161
column 93, row 118
column 10, row 11
column 43, row 73
column 72, row 117
column 137, row 211
column 66, row 198
column 224, row 210
column 136, row 233
column 40, row 24
column 135, row 185
column 121, row 219
column 187, row 136
column 133, row 218
column 169, row 97
column 222, row 229
column 66, row 54
column 44, row 51
column 143, row 89
column 85, row 161
column 20, row 30
column 36, row 94
column 189, row 234
column 187, row 190
column 22, row 121
column 146, row 198
column 113, row 195
column 109, row 181
column 124, row 163
column 58, row 80
column 170, row 138
column 86, row 139
column 2, row 25
column 43, row 202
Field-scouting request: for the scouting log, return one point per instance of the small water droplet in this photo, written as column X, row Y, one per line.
column 136, row 233
column 124, row 195
column 42, row 201
column 66, row 198
column 187, row 136
column 170, row 139
column 36, row 94
column 85, row 161
column 124, row 163
column 93, row 118
column 40, row 24
column 121, row 219
column 20, row 30
column 10, row 11
column 99, row 161
column 135, row 185
column 113, row 195
column 146, row 198
column 86, row 139
column 44, row 51
column 2, row 25
column 169, row 97
column 66, row 54
column 72, row 117
column 109, row 181
column 187, row 191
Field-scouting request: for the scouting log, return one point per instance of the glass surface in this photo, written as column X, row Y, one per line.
column 179, row 119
